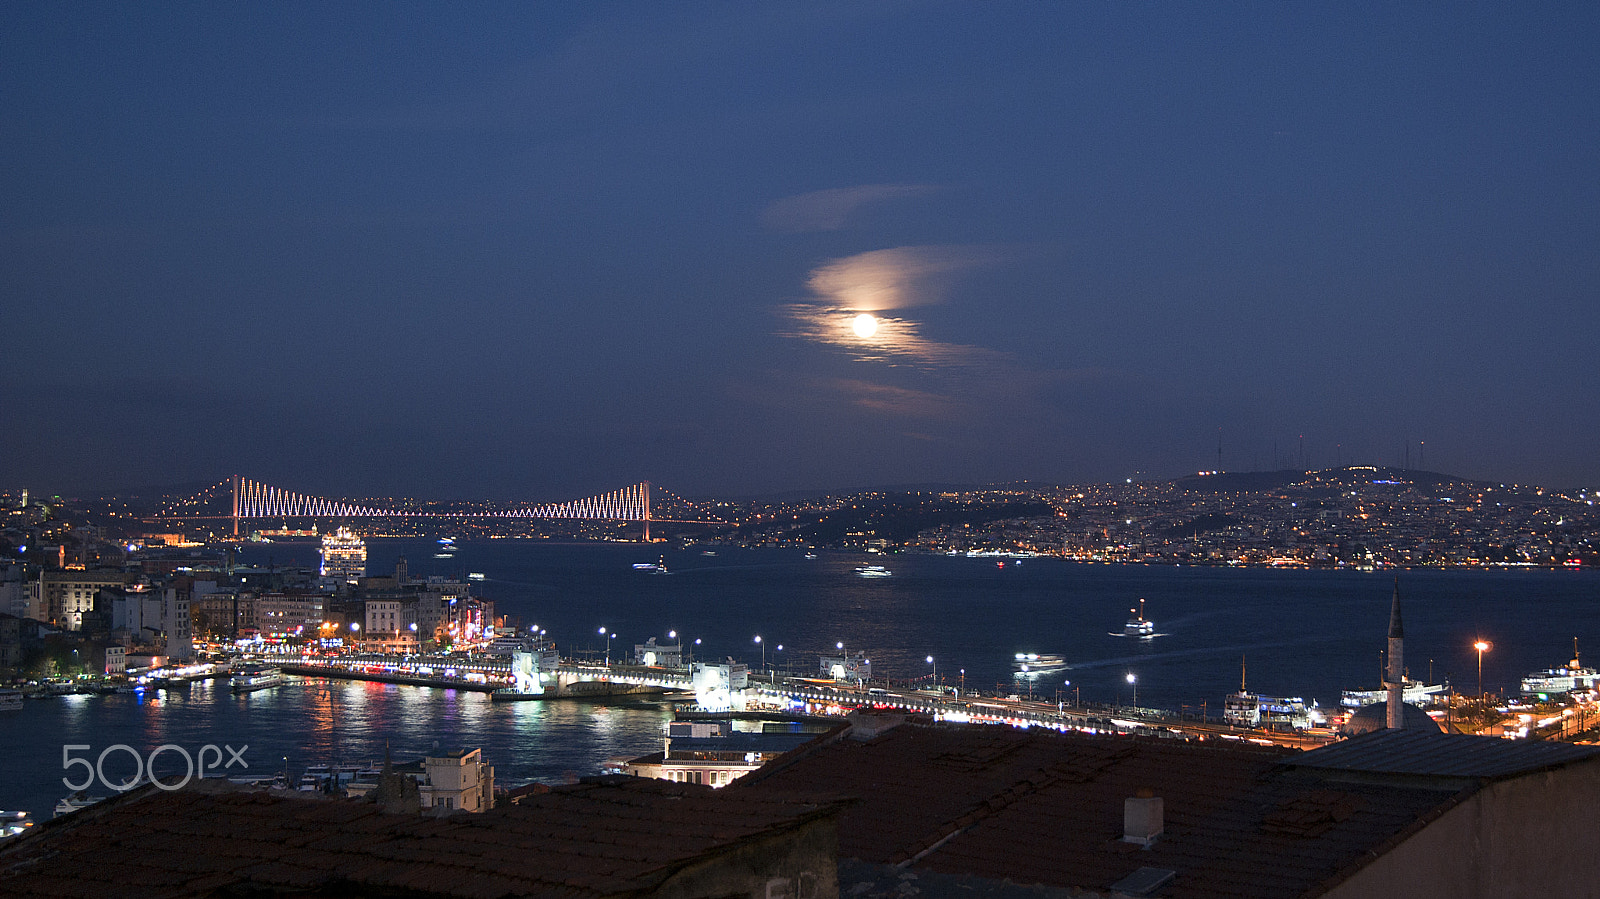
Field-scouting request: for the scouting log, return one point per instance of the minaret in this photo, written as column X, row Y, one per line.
column 1395, row 682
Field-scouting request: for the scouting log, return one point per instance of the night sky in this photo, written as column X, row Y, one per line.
column 536, row 250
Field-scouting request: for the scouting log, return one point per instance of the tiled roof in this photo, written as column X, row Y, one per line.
column 1442, row 755
column 602, row 837
column 1038, row 807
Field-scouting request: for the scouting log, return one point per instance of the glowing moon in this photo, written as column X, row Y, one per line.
column 865, row 325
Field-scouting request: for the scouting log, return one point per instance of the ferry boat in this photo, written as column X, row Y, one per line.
column 78, row 800
column 653, row 567
column 1138, row 625
column 1273, row 713
column 10, row 700
column 256, row 676
column 1415, row 692
column 873, row 571
column 1574, row 678
column 13, row 824
column 1035, row 663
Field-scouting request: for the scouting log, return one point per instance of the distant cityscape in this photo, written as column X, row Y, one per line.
column 1353, row 516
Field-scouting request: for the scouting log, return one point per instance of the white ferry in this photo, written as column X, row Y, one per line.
column 1274, row 713
column 1138, row 625
column 1574, row 678
column 873, row 571
column 78, row 800
column 1033, row 663
column 256, row 676
column 1415, row 692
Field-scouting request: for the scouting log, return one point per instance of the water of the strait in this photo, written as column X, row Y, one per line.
column 1306, row 633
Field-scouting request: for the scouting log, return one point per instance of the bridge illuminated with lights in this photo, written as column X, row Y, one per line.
column 243, row 499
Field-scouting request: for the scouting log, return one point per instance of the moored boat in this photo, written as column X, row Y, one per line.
column 1571, row 678
column 256, row 676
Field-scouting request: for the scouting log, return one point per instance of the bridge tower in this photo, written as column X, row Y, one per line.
column 646, row 496
column 236, row 485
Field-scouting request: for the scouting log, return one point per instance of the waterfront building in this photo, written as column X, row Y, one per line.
column 650, row 653
column 344, row 556
column 850, row 669
column 64, row 596
column 289, row 614
column 713, row 753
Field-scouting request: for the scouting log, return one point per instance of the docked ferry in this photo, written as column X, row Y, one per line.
column 1274, row 713
column 1416, row 693
column 256, row 676
column 1573, row 678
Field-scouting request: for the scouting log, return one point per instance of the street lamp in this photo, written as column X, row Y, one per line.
column 1134, row 682
column 763, row 652
column 963, row 680
column 935, row 672
column 1482, row 646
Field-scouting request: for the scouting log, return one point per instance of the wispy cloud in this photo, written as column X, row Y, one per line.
column 881, row 281
column 830, row 210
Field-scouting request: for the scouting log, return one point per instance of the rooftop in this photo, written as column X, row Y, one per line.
column 1039, row 807
column 597, row 838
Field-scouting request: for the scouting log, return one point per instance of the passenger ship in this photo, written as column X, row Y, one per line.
column 1574, row 678
column 1138, row 625
column 256, row 676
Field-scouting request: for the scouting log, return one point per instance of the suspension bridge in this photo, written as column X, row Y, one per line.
column 240, row 499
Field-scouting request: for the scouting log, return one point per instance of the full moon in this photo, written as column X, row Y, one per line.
column 865, row 325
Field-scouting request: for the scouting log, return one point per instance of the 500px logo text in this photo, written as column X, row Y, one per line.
column 209, row 758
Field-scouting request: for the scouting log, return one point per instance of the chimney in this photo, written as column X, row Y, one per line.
column 1143, row 817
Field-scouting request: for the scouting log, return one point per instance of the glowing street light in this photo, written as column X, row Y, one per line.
column 935, row 670
column 763, row 652
column 1482, row 646
column 1134, row 682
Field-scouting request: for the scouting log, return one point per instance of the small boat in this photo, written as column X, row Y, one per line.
column 253, row 677
column 1138, row 625
column 475, row 576
column 708, row 552
column 10, row 700
column 873, row 571
column 811, row 555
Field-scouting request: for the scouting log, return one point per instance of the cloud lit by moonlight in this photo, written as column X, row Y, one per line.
column 853, row 293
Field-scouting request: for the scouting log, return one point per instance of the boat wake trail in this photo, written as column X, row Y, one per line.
column 1195, row 653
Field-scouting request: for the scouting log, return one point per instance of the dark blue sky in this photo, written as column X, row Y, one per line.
column 540, row 250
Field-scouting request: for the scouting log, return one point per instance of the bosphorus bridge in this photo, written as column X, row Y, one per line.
column 240, row 499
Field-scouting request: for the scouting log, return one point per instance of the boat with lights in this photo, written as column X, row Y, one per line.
column 1138, row 625
column 1036, row 663
column 256, row 676
column 873, row 571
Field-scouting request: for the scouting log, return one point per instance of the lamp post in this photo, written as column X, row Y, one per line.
column 775, row 660
column 1482, row 646
column 1134, row 682
column 963, row 680
column 763, row 652
column 935, row 672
